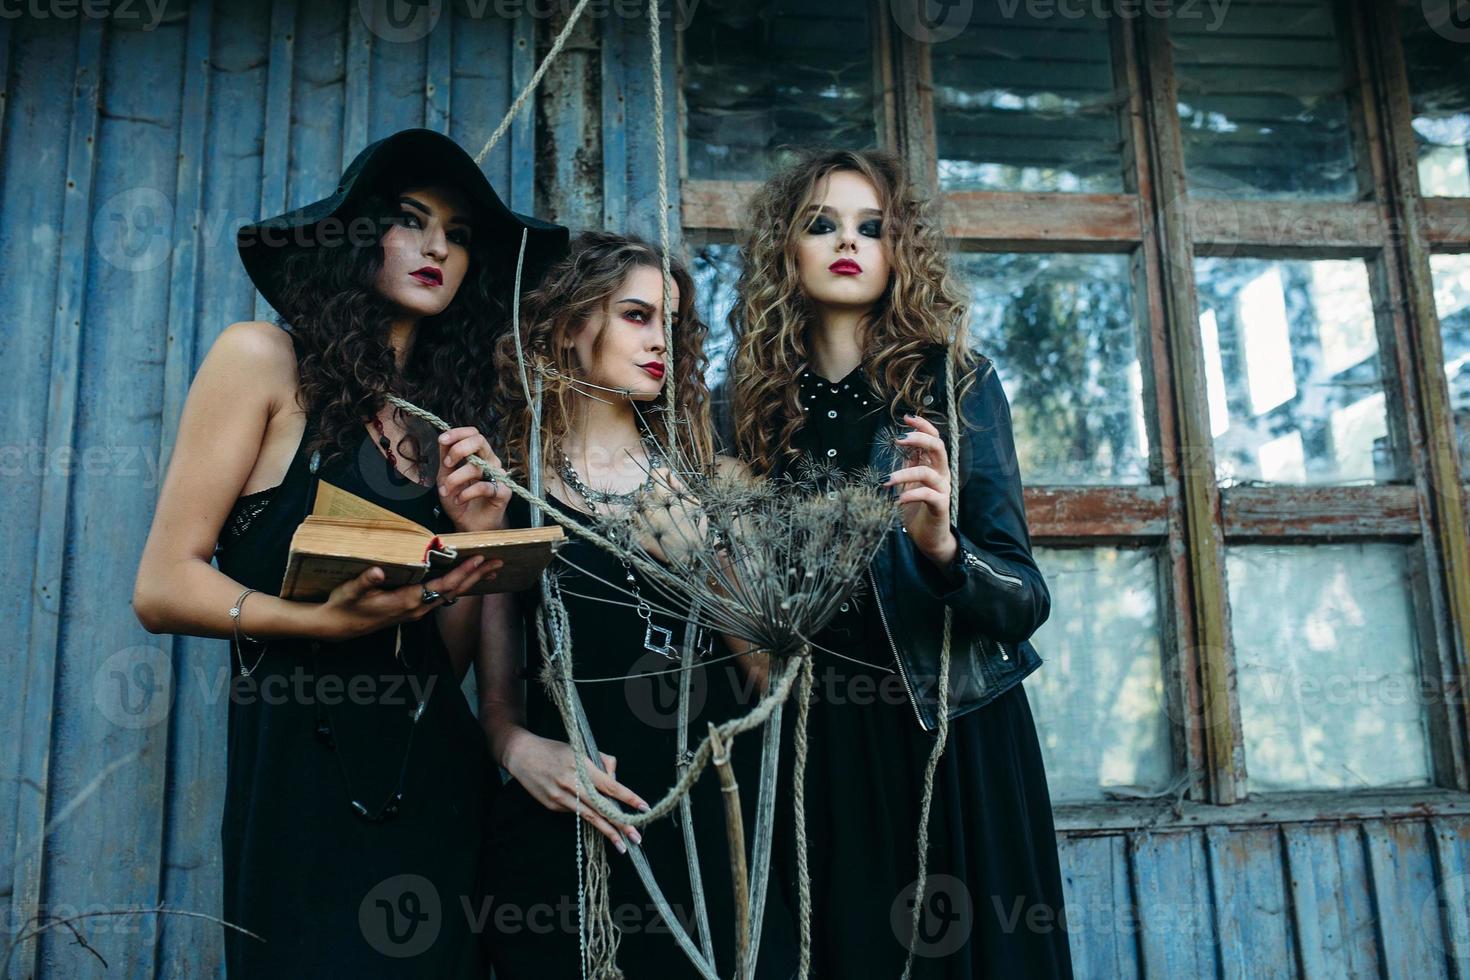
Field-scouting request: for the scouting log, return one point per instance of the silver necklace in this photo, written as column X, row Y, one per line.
column 571, row 478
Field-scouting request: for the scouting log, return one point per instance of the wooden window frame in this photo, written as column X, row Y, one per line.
column 1183, row 514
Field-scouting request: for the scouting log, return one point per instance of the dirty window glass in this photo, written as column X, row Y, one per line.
column 1062, row 332
column 764, row 79
column 1293, row 373
column 1024, row 102
column 1452, row 297
column 1262, row 101
column 1437, row 55
column 1326, row 662
column 1099, row 701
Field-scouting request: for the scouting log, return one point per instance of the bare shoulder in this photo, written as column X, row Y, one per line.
column 254, row 355
column 256, row 344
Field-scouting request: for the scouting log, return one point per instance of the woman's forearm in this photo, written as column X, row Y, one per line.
column 193, row 598
column 502, row 703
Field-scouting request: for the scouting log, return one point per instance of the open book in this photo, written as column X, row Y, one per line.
column 346, row 535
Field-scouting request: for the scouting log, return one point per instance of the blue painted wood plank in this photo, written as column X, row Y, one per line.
column 6, row 32
column 396, row 71
column 1250, row 892
column 481, row 69
column 1102, row 918
column 614, row 125
column 276, row 153
column 357, row 94
column 47, row 582
column 190, row 878
column 1451, row 840
column 642, row 191
column 1332, row 941
column 317, row 103
column 438, row 76
column 523, row 128
column 113, row 686
column 1176, row 916
column 233, row 177
column 30, row 239
column 1410, row 929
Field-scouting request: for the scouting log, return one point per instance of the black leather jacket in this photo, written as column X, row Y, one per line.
column 997, row 593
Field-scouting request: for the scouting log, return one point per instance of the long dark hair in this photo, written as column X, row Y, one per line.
column 339, row 325
column 579, row 286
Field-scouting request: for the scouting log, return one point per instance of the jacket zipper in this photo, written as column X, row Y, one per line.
column 903, row 674
column 978, row 562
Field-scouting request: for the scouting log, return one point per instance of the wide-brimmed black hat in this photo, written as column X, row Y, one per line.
column 410, row 154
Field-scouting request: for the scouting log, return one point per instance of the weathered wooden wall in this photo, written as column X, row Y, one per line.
column 128, row 157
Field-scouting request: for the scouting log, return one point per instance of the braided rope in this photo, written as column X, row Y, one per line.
column 941, row 738
column 519, row 103
column 655, row 44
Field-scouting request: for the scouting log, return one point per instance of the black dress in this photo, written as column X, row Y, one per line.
column 316, row 726
column 533, row 850
column 994, row 891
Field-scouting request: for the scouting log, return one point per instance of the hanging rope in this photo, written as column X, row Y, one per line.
column 941, row 737
column 655, row 46
column 516, row 106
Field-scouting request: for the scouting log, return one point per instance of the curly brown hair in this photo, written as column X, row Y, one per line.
column 919, row 311
column 340, row 325
column 576, row 288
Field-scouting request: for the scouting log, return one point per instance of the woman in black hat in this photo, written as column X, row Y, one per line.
column 357, row 775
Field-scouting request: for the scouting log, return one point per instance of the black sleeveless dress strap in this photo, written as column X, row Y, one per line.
column 320, row 858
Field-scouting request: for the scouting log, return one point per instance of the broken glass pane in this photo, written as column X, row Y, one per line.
column 1452, row 297
column 1062, row 332
column 1263, row 102
column 1099, row 701
column 1327, row 666
column 715, row 269
column 1293, row 374
column 763, row 78
column 1027, row 103
column 1438, row 61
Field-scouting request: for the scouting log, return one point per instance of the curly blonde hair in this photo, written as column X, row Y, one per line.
column 576, row 288
column 919, row 311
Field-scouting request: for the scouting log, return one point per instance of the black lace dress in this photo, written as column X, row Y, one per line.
column 995, row 891
column 320, row 733
column 533, row 850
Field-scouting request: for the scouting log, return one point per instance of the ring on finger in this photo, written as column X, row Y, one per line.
column 451, row 600
column 429, row 595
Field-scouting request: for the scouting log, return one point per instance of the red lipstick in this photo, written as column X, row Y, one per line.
column 429, row 276
column 845, row 267
column 654, row 368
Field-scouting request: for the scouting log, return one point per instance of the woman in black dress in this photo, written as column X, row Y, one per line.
column 848, row 331
column 594, row 334
column 357, row 776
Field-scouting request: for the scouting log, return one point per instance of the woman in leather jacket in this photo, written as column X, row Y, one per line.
column 849, row 335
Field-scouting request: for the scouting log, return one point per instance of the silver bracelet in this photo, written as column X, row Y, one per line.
column 241, row 634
